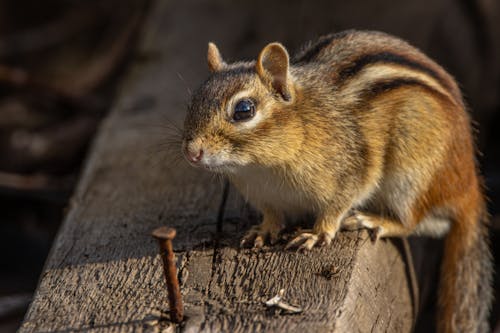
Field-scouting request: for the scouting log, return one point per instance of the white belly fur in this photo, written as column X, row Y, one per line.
column 265, row 188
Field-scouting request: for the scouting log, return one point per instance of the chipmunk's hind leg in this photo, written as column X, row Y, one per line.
column 378, row 226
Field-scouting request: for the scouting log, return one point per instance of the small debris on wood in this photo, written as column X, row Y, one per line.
column 276, row 302
column 158, row 321
column 329, row 272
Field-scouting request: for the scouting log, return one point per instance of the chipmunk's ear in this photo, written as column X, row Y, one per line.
column 273, row 68
column 214, row 59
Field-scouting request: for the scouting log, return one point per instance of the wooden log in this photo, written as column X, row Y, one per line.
column 104, row 272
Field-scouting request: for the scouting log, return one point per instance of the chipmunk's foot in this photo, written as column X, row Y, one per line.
column 307, row 240
column 359, row 220
column 258, row 235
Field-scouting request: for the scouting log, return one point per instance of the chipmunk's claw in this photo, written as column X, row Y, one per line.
column 307, row 240
column 374, row 234
column 256, row 237
column 358, row 221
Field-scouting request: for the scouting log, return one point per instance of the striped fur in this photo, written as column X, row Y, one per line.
column 361, row 130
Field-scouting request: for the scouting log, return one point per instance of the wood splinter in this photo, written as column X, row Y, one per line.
column 277, row 302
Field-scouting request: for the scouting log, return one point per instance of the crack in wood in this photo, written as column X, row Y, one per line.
column 222, row 207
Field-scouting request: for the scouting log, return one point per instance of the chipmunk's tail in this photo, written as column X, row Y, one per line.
column 465, row 292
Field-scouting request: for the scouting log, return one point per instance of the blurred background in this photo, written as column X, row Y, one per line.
column 61, row 62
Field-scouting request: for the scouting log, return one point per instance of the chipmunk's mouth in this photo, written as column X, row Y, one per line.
column 216, row 167
column 214, row 164
column 203, row 159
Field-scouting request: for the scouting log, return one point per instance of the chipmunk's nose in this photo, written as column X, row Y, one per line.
column 194, row 155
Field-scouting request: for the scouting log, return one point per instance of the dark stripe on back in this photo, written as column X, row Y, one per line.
column 388, row 58
column 380, row 87
column 314, row 49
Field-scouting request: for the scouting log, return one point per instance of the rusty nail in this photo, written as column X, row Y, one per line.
column 164, row 235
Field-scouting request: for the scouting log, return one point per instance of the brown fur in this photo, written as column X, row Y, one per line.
column 363, row 131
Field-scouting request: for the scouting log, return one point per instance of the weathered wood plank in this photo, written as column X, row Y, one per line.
column 104, row 274
column 366, row 289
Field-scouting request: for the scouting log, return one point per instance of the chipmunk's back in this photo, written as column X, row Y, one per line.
column 350, row 52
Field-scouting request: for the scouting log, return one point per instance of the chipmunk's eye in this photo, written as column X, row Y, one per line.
column 244, row 110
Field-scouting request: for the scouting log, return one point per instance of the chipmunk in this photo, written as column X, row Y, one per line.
column 361, row 130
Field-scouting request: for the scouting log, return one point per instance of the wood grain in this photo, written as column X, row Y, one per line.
column 103, row 273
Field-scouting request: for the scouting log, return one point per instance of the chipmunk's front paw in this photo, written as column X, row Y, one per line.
column 307, row 240
column 258, row 235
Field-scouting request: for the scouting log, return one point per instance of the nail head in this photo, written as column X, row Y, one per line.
column 163, row 233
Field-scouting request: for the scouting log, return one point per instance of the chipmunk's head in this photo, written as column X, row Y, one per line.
column 241, row 114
